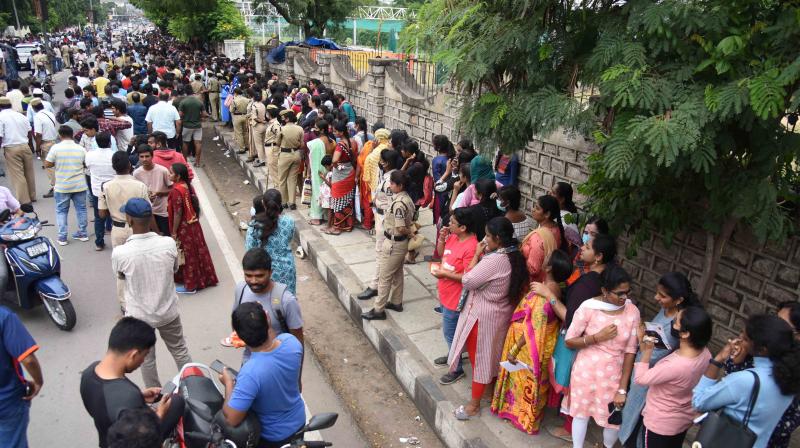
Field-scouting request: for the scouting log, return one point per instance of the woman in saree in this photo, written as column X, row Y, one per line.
column 317, row 148
column 343, row 185
column 520, row 397
column 197, row 271
column 548, row 236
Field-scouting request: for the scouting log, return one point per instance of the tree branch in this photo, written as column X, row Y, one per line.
column 285, row 13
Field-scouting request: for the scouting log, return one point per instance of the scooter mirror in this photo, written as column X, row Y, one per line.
column 321, row 421
column 27, row 208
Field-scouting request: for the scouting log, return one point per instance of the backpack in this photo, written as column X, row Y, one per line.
column 277, row 303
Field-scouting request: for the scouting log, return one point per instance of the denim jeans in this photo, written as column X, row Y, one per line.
column 100, row 224
column 14, row 426
column 62, row 211
column 449, row 323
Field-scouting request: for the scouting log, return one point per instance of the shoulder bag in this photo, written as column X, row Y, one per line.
column 721, row 430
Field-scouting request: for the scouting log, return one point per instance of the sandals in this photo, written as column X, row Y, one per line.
column 312, row 223
column 330, row 232
column 461, row 414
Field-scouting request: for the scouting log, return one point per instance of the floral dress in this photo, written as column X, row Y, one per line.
column 197, row 272
column 279, row 248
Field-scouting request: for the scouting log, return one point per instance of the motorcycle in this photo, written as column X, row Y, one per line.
column 35, row 266
column 202, row 424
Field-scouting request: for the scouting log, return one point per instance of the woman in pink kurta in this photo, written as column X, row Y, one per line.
column 540, row 243
column 604, row 330
column 495, row 285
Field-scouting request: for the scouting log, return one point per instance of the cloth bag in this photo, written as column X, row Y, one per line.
column 306, row 196
column 721, row 430
column 563, row 357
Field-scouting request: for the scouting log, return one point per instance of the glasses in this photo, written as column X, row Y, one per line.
column 622, row 294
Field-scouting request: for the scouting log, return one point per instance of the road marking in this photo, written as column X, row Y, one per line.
column 234, row 265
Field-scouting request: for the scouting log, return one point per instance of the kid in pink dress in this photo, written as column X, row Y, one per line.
column 598, row 368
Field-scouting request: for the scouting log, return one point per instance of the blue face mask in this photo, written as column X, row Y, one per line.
column 586, row 237
column 500, row 205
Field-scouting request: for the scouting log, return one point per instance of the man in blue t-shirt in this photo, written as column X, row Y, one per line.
column 268, row 383
column 15, row 391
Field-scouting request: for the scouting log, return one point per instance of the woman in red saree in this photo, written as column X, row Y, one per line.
column 197, row 271
column 343, row 185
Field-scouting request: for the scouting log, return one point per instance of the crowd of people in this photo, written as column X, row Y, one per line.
column 542, row 305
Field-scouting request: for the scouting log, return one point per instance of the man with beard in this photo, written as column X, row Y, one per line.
column 258, row 286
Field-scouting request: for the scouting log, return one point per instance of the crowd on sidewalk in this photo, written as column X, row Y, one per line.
column 538, row 298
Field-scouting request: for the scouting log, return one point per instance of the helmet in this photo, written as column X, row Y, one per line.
column 246, row 435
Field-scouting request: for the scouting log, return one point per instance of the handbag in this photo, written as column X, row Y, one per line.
column 181, row 254
column 563, row 357
column 721, row 430
column 306, row 196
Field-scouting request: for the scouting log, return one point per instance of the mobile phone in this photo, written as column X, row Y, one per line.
column 218, row 367
column 168, row 389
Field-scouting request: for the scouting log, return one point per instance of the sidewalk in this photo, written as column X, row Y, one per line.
column 408, row 342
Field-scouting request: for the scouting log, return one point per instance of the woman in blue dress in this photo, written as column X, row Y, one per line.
column 274, row 232
column 673, row 293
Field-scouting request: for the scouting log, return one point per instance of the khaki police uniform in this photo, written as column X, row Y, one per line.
column 289, row 141
column 116, row 193
column 383, row 199
column 213, row 98
column 239, row 117
column 399, row 215
column 258, row 127
column 65, row 56
column 272, row 150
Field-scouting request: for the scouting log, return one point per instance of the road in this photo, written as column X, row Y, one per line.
column 57, row 416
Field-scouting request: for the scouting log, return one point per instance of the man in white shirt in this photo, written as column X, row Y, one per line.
column 38, row 93
column 15, row 95
column 101, row 170
column 164, row 117
column 146, row 263
column 45, row 133
column 14, row 129
column 123, row 136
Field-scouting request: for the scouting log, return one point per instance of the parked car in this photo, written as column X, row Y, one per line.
column 24, row 54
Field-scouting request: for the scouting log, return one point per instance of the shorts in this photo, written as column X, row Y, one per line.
column 192, row 134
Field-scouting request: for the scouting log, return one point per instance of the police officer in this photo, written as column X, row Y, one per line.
column 213, row 95
column 289, row 140
column 239, row 117
column 271, row 148
column 258, row 128
column 397, row 222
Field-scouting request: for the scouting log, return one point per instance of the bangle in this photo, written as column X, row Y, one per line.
column 584, row 342
column 716, row 363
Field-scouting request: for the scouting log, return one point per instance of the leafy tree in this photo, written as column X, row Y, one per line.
column 313, row 16
column 196, row 20
column 686, row 102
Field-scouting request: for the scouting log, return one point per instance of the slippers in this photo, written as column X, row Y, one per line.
column 226, row 341
column 312, row 223
column 559, row 433
column 461, row 414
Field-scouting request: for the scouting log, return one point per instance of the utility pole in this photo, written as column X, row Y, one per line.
column 16, row 15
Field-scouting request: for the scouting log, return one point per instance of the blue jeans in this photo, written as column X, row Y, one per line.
column 14, row 426
column 100, row 224
column 449, row 323
column 62, row 210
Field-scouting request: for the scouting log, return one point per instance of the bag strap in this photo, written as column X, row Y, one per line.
column 753, row 398
column 277, row 307
column 241, row 295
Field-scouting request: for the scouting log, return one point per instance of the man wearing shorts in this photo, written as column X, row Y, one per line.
column 191, row 110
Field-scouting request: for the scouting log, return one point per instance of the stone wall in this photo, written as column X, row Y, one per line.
column 752, row 277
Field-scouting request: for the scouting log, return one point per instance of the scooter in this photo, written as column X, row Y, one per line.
column 201, row 425
column 35, row 266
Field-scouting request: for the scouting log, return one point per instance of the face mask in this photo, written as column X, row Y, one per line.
column 500, row 205
column 252, row 211
column 585, row 238
column 674, row 332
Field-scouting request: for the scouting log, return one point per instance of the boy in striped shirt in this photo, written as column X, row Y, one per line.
column 68, row 159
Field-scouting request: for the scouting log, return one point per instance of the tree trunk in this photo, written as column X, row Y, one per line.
column 715, row 244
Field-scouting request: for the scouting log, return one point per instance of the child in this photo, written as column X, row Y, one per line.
column 325, row 173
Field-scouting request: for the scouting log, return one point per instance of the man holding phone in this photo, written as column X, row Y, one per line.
column 106, row 391
column 17, row 351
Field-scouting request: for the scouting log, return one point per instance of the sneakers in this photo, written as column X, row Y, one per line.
column 180, row 289
column 440, row 361
column 450, row 378
column 49, row 194
column 80, row 237
column 438, row 310
column 62, row 241
column 98, row 247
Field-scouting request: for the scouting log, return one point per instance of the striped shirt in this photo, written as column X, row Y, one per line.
column 68, row 158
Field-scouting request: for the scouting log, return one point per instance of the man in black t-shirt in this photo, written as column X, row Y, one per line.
column 105, row 390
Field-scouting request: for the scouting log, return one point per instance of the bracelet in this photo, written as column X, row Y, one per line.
column 716, row 363
column 584, row 342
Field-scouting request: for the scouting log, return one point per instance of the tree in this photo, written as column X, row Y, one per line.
column 197, row 21
column 312, row 16
column 686, row 103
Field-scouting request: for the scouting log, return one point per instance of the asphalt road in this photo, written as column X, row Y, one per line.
column 57, row 416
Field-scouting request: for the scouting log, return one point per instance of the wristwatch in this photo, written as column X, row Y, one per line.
column 716, row 363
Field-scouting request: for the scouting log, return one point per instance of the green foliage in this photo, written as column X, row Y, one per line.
column 313, row 16
column 196, row 20
column 686, row 99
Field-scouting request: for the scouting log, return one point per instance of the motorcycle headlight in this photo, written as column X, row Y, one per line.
column 25, row 234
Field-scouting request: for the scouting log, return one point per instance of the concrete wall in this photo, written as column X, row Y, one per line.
column 752, row 277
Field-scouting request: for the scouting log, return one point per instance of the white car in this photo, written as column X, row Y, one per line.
column 24, row 54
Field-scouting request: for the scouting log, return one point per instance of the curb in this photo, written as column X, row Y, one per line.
column 393, row 347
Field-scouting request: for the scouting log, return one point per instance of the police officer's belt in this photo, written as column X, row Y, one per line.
column 289, row 149
column 119, row 223
column 395, row 237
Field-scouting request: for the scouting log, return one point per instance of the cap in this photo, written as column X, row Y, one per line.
column 286, row 112
column 37, row 92
column 137, row 208
column 36, row 102
column 5, row 101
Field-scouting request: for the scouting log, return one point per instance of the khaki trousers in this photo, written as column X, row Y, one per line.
column 172, row 334
column 287, row 175
column 51, row 172
column 257, row 141
column 213, row 102
column 390, row 280
column 240, row 131
column 19, row 165
column 273, row 152
column 379, row 237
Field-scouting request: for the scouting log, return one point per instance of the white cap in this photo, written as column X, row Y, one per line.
column 37, row 92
